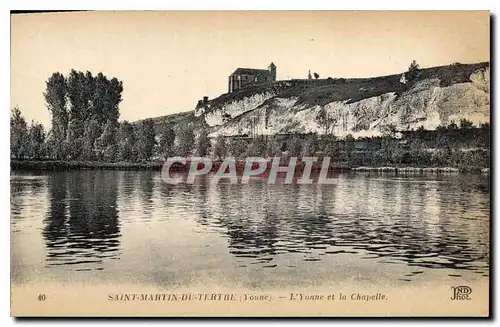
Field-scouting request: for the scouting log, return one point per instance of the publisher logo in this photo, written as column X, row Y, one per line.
column 461, row 293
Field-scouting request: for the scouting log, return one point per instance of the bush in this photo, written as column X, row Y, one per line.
column 465, row 124
column 237, row 147
column 220, row 147
column 413, row 71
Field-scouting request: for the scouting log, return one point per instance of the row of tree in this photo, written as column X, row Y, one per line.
column 120, row 141
column 376, row 151
column 84, row 110
column 84, row 117
column 141, row 142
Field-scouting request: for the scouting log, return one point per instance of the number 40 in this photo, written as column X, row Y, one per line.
column 41, row 297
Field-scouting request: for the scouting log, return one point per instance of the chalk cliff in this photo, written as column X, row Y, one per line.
column 361, row 107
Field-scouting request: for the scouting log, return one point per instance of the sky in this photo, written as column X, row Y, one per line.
column 169, row 60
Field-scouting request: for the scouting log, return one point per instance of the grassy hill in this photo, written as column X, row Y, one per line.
column 171, row 120
column 323, row 91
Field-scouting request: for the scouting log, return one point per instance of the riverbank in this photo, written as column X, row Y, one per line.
column 403, row 170
column 60, row 165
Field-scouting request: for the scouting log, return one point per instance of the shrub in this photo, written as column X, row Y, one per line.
column 465, row 124
column 413, row 71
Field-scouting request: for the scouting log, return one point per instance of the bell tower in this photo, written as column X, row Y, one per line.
column 272, row 70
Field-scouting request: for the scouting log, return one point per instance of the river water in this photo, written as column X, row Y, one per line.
column 381, row 229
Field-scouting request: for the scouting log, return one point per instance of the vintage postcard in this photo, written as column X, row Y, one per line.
column 250, row 164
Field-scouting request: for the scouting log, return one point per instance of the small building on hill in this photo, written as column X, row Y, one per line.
column 243, row 77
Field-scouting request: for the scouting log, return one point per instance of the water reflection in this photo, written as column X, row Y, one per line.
column 91, row 218
column 418, row 222
column 82, row 226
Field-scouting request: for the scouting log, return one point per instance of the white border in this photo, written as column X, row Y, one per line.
column 6, row 6
column 251, row 5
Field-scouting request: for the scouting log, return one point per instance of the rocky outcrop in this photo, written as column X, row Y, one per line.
column 439, row 96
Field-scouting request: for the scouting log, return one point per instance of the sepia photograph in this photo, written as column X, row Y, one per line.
column 250, row 164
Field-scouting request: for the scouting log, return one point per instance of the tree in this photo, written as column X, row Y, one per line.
column 389, row 130
column 203, row 145
column 91, row 133
column 220, row 147
column 310, row 146
column 389, row 152
column 452, row 126
column 78, row 95
column 309, row 75
column 331, row 147
column 419, row 155
column 442, row 141
column 18, row 134
column 294, row 146
column 74, row 141
column 349, row 138
column 485, row 126
column 185, row 141
column 146, row 139
column 106, row 98
column 441, row 128
column 56, row 100
column 273, row 148
column 55, row 147
column 94, row 97
column 114, row 97
column 237, row 147
column 82, row 106
column 465, row 124
column 166, row 141
column 413, row 71
column 106, row 144
column 127, row 142
column 400, row 154
column 349, row 147
column 316, row 75
column 36, row 141
column 326, row 121
column 257, row 147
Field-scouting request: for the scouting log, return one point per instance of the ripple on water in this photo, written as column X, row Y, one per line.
column 85, row 220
